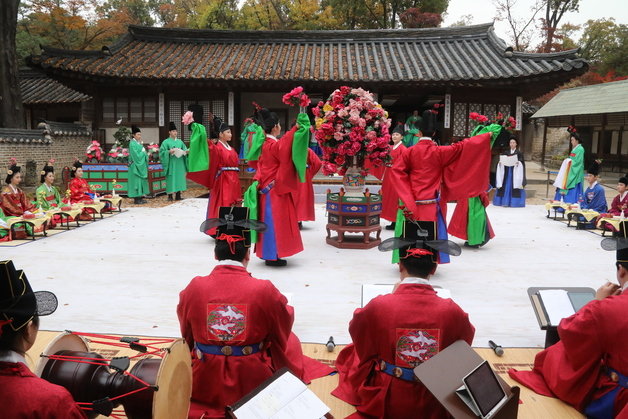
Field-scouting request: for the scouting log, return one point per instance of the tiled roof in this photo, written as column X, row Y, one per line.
column 37, row 87
column 467, row 55
column 44, row 133
column 586, row 100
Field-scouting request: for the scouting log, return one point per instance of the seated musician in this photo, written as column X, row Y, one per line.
column 594, row 197
column 394, row 333
column 12, row 199
column 47, row 195
column 24, row 395
column 237, row 326
column 619, row 206
column 80, row 190
column 13, row 202
column 588, row 367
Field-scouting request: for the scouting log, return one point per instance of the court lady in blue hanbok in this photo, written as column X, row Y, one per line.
column 510, row 178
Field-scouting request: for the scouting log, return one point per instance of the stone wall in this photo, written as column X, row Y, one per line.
column 37, row 146
column 557, row 144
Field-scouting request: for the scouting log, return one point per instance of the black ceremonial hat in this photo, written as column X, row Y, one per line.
column 266, row 119
column 399, row 129
column 419, row 235
column 624, row 179
column 197, row 112
column 594, row 169
column 135, row 129
column 619, row 244
column 233, row 221
column 18, row 302
column 220, row 126
column 172, row 126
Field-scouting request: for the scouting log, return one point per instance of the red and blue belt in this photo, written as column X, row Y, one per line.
column 268, row 187
column 227, row 169
column 226, row 350
column 406, row 374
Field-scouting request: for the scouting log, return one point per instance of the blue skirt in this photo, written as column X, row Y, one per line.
column 572, row 196
column 504, row 197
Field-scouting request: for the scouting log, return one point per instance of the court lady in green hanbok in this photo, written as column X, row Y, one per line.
column 173, row 156
column 47, row 195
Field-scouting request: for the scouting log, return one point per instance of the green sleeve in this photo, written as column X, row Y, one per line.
column 576, row 173
column 250, row 202
column 139, row 159
column 164, row 155
column 40, row 197
column 198, row 159
column 494, row 129
column 184, row 157
column 300, row 145
column 57, row 196
column 258, row 141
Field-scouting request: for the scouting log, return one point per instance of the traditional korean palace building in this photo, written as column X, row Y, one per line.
column 151, row 75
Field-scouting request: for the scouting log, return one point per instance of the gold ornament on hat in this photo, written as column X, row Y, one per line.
column 9, row 172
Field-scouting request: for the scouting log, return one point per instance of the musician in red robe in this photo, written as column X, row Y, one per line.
column 277, row 182
column 12, row 199
column 620, row 202
column 394, row 333
column 427, row 176
column 390, row 199
column 23, row 394
column 588, row 367
column 304, row 197
column 237, row 326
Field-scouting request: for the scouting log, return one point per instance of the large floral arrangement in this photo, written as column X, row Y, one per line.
column 153, row 152
column 94, row 152
column 118, row 154
column 352, row 127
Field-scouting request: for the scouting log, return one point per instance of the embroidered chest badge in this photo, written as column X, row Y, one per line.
column 415, row 346
column 226, row 322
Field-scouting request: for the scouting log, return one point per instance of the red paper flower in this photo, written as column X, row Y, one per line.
column 296, row 97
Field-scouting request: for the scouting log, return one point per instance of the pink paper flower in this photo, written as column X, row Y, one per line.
column 187, row 118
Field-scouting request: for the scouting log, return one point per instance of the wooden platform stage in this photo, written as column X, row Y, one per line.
column 533, row 406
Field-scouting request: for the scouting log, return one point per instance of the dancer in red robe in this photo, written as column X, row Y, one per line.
column 427, row 176
column 24, row 395
column 277, row 181
column 238, row 327
column 394, row 333
column 214, row 165
column 390, row 199
column 588, row 367
column 304, row 197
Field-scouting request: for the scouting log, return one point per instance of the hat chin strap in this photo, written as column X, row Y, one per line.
column 4, row 323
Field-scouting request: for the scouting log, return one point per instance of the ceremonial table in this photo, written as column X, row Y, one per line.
column 555, row 205
column 614, row 221
column 588, row 215
column 115, row 201
column 33, row 222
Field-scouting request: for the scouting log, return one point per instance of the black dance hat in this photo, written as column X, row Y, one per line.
column 197, row 112
column 594, row 169
column 18, row 303
column 419, row 235
column 172, row 126
column 266, row 119
column 220, row 126
column 135, row 129
column 399, row 129
column 233, row 222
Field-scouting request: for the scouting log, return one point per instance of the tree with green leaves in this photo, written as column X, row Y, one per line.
column 554, row 12
column 604, row 44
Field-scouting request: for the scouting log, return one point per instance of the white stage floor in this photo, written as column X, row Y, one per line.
column 123, row 274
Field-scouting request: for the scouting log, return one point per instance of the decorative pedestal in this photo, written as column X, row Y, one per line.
column 353, row 215
column 100, row 177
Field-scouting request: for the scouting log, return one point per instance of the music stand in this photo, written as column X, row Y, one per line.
column 443, row 373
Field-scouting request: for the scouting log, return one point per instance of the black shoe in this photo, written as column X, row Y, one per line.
column 178, row 196
column 278, row 262
column 391, row 226
column 170, row 197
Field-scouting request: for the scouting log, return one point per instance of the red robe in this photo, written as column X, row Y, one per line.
column 596, row 336
column 79, row 188
column 304, row 197
column 14, row 204
column 224, row 185
column 382, row 331
column 618, row 205
column 458, row 225
column 260, row 313
column 275, row 164
column 461, row 168
column 26, row 396
column 390, row 199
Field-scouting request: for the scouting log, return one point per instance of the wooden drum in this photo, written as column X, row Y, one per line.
column 152, row 380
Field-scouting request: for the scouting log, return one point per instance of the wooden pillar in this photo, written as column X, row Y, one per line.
column 546, row 122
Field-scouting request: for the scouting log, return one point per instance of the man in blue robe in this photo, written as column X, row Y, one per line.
column 594, row 197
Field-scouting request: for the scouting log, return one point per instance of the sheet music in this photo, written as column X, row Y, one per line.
column 508, row 160
column 286, row 397
column 178, row 152
column 370, row 291
column 557, row 305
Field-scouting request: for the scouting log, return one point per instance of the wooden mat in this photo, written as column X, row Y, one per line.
column 58, row 230
column 533, row 406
